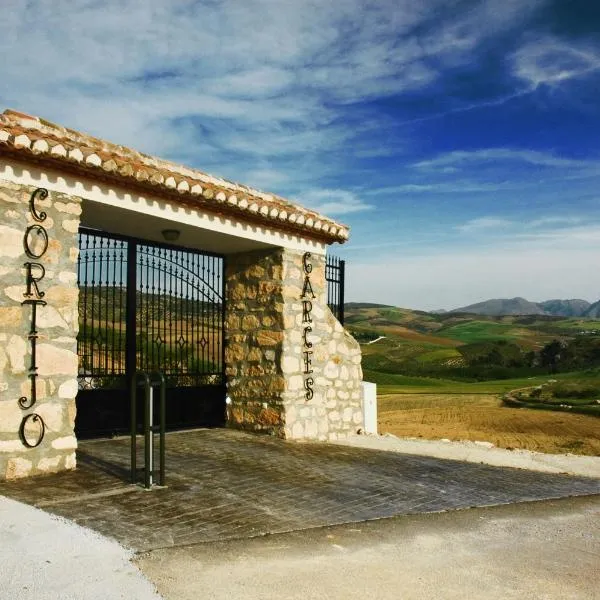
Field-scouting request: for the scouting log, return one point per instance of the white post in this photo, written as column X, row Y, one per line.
column 370, row 407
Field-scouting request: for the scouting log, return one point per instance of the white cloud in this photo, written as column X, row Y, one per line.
column 563, row 236
column 455, row 186
column 550, row 61
column 451, row 279
column 262, row 82
column 333, row 202
column 556, row 220
column 453, row 161
column 231, row 83
column 484, row 224
column 538, row 265
column 264, row 178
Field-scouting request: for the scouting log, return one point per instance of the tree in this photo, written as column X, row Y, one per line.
column 550, row 355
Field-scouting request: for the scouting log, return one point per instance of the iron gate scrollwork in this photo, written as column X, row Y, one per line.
column 148, row 307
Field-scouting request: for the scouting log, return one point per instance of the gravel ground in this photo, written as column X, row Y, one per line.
column 482, row 453
column 43, row 557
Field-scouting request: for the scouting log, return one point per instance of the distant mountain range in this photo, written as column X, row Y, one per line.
column 521, row 306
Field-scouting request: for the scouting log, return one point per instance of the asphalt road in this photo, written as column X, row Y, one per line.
column 537, row 550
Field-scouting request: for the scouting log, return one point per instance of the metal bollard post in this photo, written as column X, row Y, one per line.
column 149, row 428
column 133, row 428
column 162, row 426
column 148, row 437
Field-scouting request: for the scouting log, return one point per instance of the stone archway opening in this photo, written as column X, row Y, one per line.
column 148, row 307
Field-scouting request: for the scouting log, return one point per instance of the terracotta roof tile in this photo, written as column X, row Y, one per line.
column 35, row 139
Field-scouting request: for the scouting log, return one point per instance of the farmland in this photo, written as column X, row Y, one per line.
column 482, row 417
column 444, row 376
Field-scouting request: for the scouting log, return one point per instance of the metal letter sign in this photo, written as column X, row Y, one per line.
column 32, row 428
column 307, row 318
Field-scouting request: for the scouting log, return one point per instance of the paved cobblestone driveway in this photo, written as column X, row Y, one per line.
column 226, row 484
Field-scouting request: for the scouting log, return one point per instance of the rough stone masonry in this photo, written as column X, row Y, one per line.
column 38, row 328
column 291, row 372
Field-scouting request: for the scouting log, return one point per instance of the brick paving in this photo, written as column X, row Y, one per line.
column 224, row 484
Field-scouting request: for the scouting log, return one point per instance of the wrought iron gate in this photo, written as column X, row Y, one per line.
column 148, row 307
column 335, row 275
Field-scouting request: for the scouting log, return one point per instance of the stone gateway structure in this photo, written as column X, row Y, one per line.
column 254, row 326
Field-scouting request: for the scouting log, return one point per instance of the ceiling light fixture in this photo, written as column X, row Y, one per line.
column 171, row 235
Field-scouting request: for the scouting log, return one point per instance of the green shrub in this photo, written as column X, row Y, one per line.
column 575, row 390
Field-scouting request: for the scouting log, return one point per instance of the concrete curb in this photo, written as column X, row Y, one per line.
column 481, row 452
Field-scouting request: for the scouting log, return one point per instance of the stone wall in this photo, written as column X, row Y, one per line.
column 253, row 341
column 292, row 369
column 52, row 280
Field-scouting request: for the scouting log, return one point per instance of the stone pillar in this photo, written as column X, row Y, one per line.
column 292, row 369
column 37, row 437
column 254, row 332
column 320, row 360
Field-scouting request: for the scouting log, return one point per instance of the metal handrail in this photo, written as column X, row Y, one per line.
column 148, row 380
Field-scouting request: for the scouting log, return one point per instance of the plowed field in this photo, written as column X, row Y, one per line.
column 415, row 336
column 480, row 417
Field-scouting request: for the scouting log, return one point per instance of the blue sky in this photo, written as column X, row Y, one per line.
column 460, row 140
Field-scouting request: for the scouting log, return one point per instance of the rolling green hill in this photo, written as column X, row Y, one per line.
column 463, row 347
